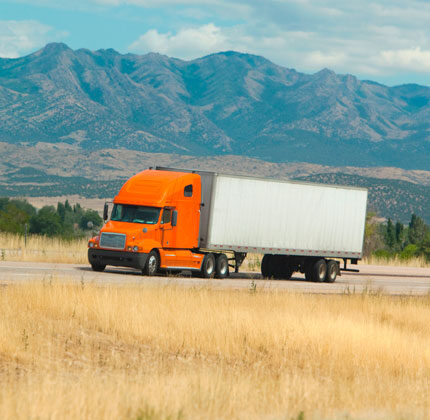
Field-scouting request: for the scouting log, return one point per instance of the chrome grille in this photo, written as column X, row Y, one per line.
column 112, row 240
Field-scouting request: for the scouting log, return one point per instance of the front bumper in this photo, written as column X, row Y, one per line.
column 118, row 258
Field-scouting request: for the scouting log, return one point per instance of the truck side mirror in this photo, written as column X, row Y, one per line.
column 105, row 212
column 174, row 217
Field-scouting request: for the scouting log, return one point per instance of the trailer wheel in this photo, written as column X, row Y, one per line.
column 265, row 265
column 280, row 267
column 208, row 266
column 285, row 269
column 287, row 273
column 275, row 266
column 332, row 269
column 152, row 264
column 221, row 266
column 97, row 267
column 316, row 271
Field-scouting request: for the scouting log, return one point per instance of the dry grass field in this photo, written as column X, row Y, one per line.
column 397, row 262
column 81, row 351
column 42, row 249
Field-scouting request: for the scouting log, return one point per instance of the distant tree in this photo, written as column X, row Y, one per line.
column 46, row 222
column 373, row 238
column 417, row 229
column 13, row 219
column 61, row 210
column 4, row 201
column 90, row 216
column 24, row 206
column 424, row 247
column 399, row 229
column 64, row 220
column 67, row 206
column 409, row 251
column 390, row 235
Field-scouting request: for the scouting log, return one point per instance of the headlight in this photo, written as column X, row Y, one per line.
column 135, row 248
column 91, row 244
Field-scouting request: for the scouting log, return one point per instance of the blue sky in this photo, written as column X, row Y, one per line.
column 383, row 40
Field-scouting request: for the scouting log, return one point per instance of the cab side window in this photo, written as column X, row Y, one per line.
column 188, row 191
column 167, row 216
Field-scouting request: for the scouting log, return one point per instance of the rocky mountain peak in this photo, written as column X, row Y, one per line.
column 54, row 48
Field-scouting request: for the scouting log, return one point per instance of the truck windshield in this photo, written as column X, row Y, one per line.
column 135, row 214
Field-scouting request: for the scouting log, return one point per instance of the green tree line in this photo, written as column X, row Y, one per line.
column 396, row 239
column 65, row 220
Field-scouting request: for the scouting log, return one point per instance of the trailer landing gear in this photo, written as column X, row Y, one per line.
column 238, row 260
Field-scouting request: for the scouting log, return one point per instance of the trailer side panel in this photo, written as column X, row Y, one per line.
column 286, row 217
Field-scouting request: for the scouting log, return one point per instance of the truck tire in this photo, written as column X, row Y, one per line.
column 332, row 270
column 280, row 267
column 265, row 265
column 152, row 264
column 208, row 266
column 286, row 272
column 276, row 267
column 316, row 270
column 221, row 266
column 97, row 267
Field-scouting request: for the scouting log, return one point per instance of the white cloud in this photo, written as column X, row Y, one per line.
column 413, row 59
column 186, row 43
column 324, row 59
column 20, row 37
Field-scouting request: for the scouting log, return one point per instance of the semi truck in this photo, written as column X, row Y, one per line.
column 166, row 219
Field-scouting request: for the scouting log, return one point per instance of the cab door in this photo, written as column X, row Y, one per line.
column 166, row 227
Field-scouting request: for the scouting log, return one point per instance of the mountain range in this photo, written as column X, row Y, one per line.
column 225, row 103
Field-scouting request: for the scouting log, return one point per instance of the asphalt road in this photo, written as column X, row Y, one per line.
column 384, row 279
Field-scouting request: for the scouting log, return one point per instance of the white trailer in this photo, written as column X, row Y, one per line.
column 298, row 226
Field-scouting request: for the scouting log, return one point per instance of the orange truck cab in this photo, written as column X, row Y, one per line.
column 154, row 225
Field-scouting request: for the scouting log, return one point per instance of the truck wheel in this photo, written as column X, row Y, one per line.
column 285, row 270
column 97, row 267
column 317, row 271
column 332, row 269
column 279, row 267
column 152, row 264
column 208, row 266
column 276, row 267
column 287, row 273
column 265, row 265
column 221, row 266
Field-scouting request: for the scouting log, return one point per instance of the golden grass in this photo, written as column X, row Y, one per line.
column 149, row 352
column 42, row 249
column 397, row 262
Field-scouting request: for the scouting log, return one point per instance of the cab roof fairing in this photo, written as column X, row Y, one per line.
column 152, row 188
